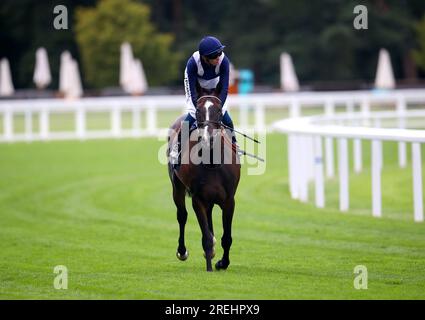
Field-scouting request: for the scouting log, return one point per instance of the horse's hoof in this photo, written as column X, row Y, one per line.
column 221, row 266
column 182, row 257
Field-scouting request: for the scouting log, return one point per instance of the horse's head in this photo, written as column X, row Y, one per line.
column 209, row 116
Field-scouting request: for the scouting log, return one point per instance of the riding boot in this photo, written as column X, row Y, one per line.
column 175, row 154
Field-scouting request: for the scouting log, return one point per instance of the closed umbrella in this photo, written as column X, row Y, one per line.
column 42, row 76
column 126, row 66
column 288, row 77
column 384, row 73
column 139, row 84
column 64, row 72
column 69, row 77
column 75, row 88
column 6, row 84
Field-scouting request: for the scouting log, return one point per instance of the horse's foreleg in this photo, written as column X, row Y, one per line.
column 226, row 240
column 209, row 217
column 201, row 211
column 179, row 200
column 210, row 226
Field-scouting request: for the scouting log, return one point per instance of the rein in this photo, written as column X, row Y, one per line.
column 222, row 126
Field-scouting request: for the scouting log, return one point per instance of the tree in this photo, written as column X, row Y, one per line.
column 319, row 34
column 419, row 54
column 100, row 31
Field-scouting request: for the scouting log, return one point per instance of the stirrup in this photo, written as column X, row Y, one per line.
column 237, row 148
column 239, row 151
column 174, row 154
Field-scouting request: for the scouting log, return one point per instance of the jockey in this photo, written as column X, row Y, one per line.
column 208, row 66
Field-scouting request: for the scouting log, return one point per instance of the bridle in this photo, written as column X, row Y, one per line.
column 219, row 123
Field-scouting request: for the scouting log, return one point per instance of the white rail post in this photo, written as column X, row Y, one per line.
column 151, row 118
column 302, row 169
column 8, row 124
column 294, row 108
column 116, row 121
column 376, row 178
column 292, row 166
column 401, row 112
column 298, row 164
column 28, row 125
column 318, row 170
column 343, row 174
column 417, row 182
column 44, row 123
column 365, row 110
column 329, row 107
column 402, row 158
column 259, row 117
column 357, row 146
column 136, row 121
column 80, row 122
column 329, row 149
column 309, row 155
column 350, row 106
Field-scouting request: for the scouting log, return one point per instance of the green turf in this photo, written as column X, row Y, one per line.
column 104, row 210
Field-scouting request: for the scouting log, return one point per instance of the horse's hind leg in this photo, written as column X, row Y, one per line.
column 226, row 240
column 207, row 237
column 179, row 192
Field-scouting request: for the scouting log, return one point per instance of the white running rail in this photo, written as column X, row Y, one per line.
column 306, row 160
column 149, row 106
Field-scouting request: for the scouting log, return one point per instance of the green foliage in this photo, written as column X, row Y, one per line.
column 419, row 54
column 319, row 35
column 100, row 31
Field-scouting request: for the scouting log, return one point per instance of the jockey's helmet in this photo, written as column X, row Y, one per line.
column 210, row 46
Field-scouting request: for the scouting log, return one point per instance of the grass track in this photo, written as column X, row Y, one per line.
column 104, row 210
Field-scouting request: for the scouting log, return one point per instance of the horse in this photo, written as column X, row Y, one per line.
column 208, row 182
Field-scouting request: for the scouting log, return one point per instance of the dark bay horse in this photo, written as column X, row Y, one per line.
column 210, row 176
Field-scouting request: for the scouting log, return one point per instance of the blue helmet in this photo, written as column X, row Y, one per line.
column 209, row 45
